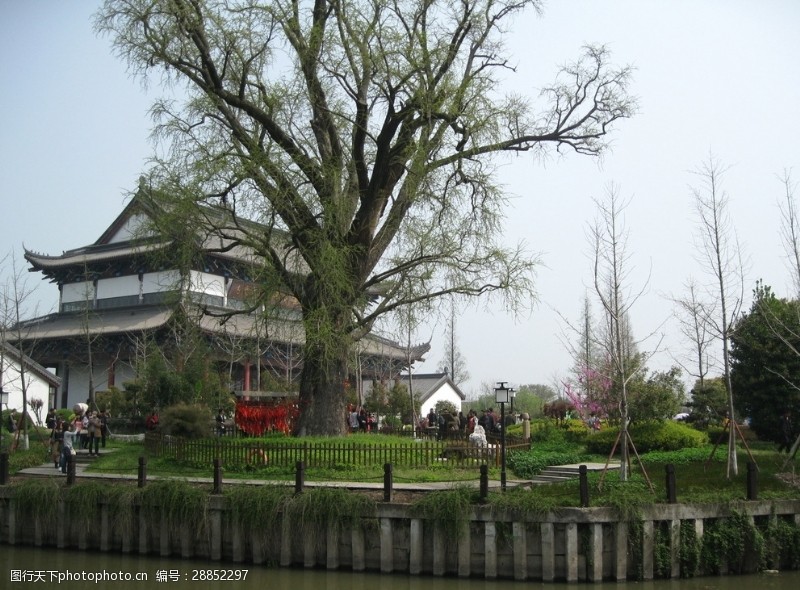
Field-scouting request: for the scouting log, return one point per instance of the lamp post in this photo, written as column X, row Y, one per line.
column 3, row 402
column 501, row 397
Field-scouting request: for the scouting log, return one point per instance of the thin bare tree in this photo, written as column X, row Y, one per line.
column 718, row 250
column 609, row 236
column 691, row 314
column 790, row 228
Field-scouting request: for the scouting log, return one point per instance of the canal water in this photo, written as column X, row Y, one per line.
column 25, row 567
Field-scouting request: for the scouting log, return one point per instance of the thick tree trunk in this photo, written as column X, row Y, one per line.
column 324, row 373
column 322, row 399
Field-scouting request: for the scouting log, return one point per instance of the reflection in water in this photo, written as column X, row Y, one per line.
column 176, row 574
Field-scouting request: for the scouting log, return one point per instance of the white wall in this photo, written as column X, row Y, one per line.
column 210, row 284
column 131, row 229
column 117, row 287
column 71, row 292
column 445, row 393
column 12, row 383
column 155, row 282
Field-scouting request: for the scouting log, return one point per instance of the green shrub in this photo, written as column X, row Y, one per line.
column 649, row 436
column 186, row 420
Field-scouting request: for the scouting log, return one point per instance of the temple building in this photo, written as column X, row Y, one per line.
column 131, row 291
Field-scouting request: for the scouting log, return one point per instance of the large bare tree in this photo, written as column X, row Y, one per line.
column 366, row 132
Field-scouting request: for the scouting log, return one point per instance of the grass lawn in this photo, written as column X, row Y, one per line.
column 699, row 477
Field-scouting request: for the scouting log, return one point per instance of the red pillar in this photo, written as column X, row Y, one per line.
column 247, row 375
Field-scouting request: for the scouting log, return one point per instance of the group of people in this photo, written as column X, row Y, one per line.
column 359, row 420
column 88, row 430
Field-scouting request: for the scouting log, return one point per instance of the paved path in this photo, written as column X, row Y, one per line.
column 81, row 472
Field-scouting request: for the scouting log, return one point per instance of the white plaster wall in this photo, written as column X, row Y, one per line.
column 131, row 229
column 71, row 292
column 210, row 284
column 117, row 287
column 155, row 282
column 445, row 393
column 12, row 383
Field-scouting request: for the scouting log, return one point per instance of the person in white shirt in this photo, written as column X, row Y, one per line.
column 67, row 447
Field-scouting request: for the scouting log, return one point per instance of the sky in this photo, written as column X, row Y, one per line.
column 713, row 78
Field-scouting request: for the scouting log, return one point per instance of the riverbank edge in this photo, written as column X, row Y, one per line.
column 568, row 544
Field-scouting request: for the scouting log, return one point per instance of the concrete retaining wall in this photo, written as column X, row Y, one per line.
column 571, row 544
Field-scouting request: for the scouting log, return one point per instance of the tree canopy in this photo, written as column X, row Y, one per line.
column 765, row 353
column 365, row 131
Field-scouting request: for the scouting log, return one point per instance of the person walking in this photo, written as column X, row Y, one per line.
column 785, row 432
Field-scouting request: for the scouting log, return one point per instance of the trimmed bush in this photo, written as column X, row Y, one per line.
column 649, row 436
column 187, row 421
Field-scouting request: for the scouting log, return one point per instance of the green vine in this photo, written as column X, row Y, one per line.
column 662, row 554
column 734, row 543
column 689, row 550
column 782, row 544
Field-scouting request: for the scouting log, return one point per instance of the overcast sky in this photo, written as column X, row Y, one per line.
column 715, row 78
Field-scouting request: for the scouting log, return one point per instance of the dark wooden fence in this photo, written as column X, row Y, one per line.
column 237, row 451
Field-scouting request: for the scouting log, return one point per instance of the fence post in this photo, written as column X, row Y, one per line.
column 299, row 477
column 752, row 481
column 217, row 476
column 484, row 487
column 584, row 485
column 387, row 482
column 3, row 468
column 142, row 471
column 70, row 469
column 672, row 496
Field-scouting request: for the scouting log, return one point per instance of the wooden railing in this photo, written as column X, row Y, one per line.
column 237, row 452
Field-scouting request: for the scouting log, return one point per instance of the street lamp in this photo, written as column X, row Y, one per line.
column 3, row 402
column 501, row 397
